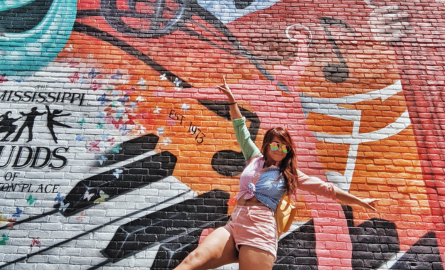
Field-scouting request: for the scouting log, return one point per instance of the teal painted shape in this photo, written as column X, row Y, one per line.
column 8, row 4
column 33, row 34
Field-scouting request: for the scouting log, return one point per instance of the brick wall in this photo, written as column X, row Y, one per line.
column 117, row 150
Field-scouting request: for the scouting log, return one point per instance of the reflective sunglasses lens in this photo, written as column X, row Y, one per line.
column 284, row 148
column 274, row 146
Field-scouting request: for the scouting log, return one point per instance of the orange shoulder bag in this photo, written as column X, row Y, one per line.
column 285, row 213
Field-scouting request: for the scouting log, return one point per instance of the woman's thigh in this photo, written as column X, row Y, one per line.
column 217, row 249
column 255, row 258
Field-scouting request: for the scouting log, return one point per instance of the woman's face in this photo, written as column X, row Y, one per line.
column 277, row 155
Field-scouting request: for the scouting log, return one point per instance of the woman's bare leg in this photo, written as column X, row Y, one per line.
column 217, row 249
column 255, row 258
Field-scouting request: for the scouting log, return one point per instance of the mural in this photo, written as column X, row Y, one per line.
column 117, row 149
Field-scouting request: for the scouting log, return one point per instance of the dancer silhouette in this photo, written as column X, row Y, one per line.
column 51, row 122
column 6, row 125
column 29, row 123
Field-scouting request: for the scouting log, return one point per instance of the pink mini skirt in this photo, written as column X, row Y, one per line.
column 254, row 226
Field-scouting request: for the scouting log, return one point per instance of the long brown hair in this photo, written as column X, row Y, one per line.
column 288, row 166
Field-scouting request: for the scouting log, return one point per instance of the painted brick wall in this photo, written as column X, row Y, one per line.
column 117, row 150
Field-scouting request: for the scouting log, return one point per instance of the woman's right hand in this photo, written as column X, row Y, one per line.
column 226, row 90
column 235, row 113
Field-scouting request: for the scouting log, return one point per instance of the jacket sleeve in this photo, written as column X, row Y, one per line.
column 316, row 185
column 248, row 147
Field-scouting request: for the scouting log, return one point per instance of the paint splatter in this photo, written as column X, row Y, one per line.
column 74, row 77
column 4, row 239
column 102, row 159
column 87, row 196
column 103, row 197
column 103, row 99
column 167, row 141
column 81, row 122
column 93, row 74
column 185, row 107
column 3, row 78
column 17, row 213
column 59, row 198
column 141, row 81
column 117, row 76
column 124, row 130
column 124, row 99
column 35, row 242
column 63, row 206
column 94, row 146
column 11, row 223
column 95, row 85
column 81, row 217
column 31, row 200
column 160, row 131
column 117, row 173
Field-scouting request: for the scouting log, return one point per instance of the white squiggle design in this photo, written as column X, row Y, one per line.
column 330, row 106
column 226, row 11
column 299, row 26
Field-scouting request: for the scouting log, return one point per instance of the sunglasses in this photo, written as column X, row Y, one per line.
column 275, row 146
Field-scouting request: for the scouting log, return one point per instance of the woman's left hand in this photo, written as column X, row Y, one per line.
column 369, row 203
column 346, row 197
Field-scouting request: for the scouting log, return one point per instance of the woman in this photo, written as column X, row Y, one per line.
column 251, row 237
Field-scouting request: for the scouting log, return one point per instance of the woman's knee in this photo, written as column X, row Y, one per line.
column 193, row 260
column 217, row 249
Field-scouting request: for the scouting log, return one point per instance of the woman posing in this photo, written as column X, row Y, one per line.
column 250, row 238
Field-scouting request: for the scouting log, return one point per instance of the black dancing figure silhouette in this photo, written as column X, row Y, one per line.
column 7, row 125
column 51, row 122
column 29, row 123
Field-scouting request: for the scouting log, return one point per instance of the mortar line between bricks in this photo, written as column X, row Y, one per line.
column 92, row 230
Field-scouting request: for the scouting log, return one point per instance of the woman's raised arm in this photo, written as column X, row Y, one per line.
column 234, row 110
column 248, row 147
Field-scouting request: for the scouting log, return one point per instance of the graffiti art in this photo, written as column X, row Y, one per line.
column 117, row 149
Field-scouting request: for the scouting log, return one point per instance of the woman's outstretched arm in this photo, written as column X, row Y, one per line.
column 329, row 190
column 348, row 198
